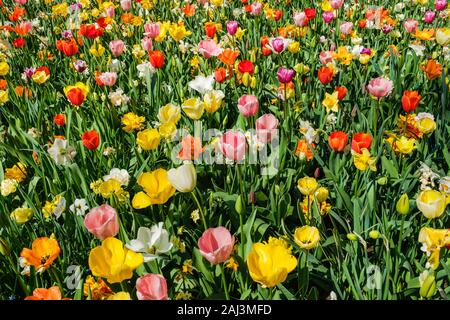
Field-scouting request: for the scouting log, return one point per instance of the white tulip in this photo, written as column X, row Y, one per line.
column 184, row 178
column 151, row 242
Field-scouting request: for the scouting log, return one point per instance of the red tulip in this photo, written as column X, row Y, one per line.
column 156, row 59
column 246, row 66
column 360, row 141
column 325, row 75
column 59, row 119
column 410, row 100
column 76, row 96
column 338, row 140
column 91, row 139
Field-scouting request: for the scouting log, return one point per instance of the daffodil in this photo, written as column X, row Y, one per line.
column 178, row 32
column 364, row 160
column 331, row 102
column 432, row 241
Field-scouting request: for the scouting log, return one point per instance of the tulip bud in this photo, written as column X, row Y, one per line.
column 322, row 194
column 374, row 234
column 402, row 205
column 246, row 79
column 352, row 237
column 428, row 287
column 4, row 249
column 239, row 205
column 382, row 181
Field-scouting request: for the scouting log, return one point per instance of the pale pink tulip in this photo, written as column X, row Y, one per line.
column 266, row 127
column 410, row 25
column 102, row 222
column 209, row 48
column 216, row 245
column 380, row 87
column 248, row 105
column 233, row 145
column 117, row 47
column 151, row 287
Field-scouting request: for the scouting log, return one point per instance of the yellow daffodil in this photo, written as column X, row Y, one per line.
column 148, row 139
column 112, row 261
column 343, row 55
column 17, row 172
column 164, row 27
column 178, row 32
column 405, row 145
column 157, row 189
column 97, row 50
column 270, row 262
column 331, row 102
column 364, row 160
column 307, row 237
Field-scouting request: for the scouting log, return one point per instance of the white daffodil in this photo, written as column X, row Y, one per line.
column 61, row 152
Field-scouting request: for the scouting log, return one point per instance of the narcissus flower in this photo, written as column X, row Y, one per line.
column 331, row 102
column 178, row 31
column 270, row 262
column 42, row 254
column 405, row 145
column 431, row 203
column 433, row 240
column 157, row 189
column 112, row 261
column 307, row 237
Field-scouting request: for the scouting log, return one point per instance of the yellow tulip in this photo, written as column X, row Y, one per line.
column 97, row 51
column 22, row 215
column 3, row 96
column 270, row 262
column 212, row 100
column 364, row 160
column 108, row 188
column 168, row 130
column 294, row 47
column 194, row 108
column 307, row 237
column 131, row 122
column 40, row 77
column 443, row 36
column 321, row 194
column 426, row 125
column 122, row 295
column 112, row 261
column 4, row 68
column 157, row 189
column 148, row 139
column 431, row 203
column 169, row 113
column 402, row 205
column 307, row 185
column 164, row 27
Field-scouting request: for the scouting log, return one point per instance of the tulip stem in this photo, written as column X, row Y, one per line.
column 224, row 282
column 200, row 209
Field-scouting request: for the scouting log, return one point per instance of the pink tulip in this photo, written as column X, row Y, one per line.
column 232, row 27
column 326, row 57
column 256, row 9
column 125, row 5
column 346, row 27
column 110, row 12
column 102, row 222
column 117, row 47
column 300, row 19
column 380, row 87
column 209, row 48
column 151, row 287
column 277, row 45
column 152, row 29
column 285, row 75
column 147, row 43
column 108, row 78
column 266, row 127
column 328, row 16
column 216, row 245
column 336, row 4
column 410, row 25
column 233, row 145
column 21, row 2
column 429, row 16
column 248, row 105
column 440, row 5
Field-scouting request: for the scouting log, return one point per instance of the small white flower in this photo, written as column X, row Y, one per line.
column 79, row 207
column 8, row 186
column 60, row 207
column 120, row 175
column 151, row 242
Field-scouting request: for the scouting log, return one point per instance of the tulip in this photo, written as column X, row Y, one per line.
column 429, row 16
column 300, row 19
column 232, row 27
column 102, row 222
column 117, row 47
column 277, row 44
column 440, row 5
column 266, row 126
column 248, row 105
column 328, row 16
column 22, row 215
column 428, row 287
column 91, row 139
column 152, row 29
column 216, row 245
column 256, row 9
column 212, row 100
column 59, row 119
column 346, row 27
column 402, row 205
column 443, row 36
column 157, row 189
column 194, row 108
column 269, row 263
column 338, row 141
column 147, row 43
column 325, row 75
column 112, row 261
column 342, row 92
column 307, row 185
column 209, row 48
column 410, row 25
column 285, row 75
column 151, row 287
column 307, row 237
column 380, row 87
column 42, row 254
column 336, row 4
column 125, row 5
column 148, row 139
column 431, row 203
column 156, row 59
column 410, row 100
column 210, row 29
column 246, row 66
column 184, row 178
column 233, row 145
column 220, row 75
column 361, row 141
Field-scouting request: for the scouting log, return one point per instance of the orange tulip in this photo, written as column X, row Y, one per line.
column 191, row 148
column 338, row 140
column 76, row 96
column 52, row 293
column 361, row 141
column 220, row 75
column 325, row 75
column 228, row 56
column 210, row 29
column 188, row 10
column 68, row 47
column 42, row 253
column 432, row 69
column 156, row 59
column 23, row 91
column 3, row 84
column 410, row 100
